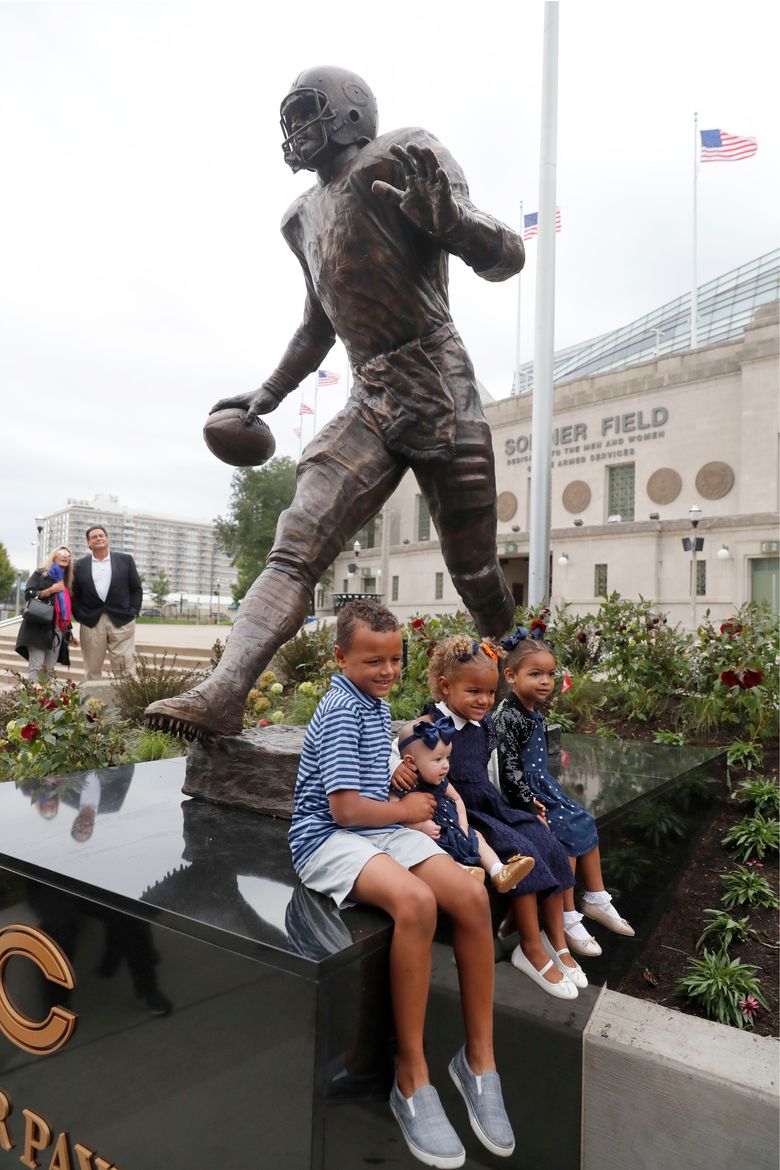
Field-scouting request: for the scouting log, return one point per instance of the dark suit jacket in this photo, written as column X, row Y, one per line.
column 125, row 594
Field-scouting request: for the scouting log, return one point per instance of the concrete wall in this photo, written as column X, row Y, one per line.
column 663, row 1091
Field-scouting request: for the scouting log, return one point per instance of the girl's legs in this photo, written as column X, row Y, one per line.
column 466, row 902
column 596, row 897
column 412, row 906
column 526, row 915
column 578, row 938
column 590, row 871
column 552, row 913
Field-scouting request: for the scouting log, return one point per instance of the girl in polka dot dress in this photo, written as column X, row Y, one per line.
column 526, row 783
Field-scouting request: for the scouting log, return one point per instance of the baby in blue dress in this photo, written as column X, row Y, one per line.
column 425, row 746
column 529, row 668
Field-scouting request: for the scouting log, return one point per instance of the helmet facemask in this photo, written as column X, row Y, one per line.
column 313, row 104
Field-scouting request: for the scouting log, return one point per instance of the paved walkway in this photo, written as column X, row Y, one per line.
column 185, row 635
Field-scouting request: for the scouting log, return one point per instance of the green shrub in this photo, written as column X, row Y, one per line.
column 582, row 702
column 744, row 887
column 155, row 678
column 744, row 753
column 720, row 986
column 145, row 746
column 761, row 792
column 308, row 657
column 723, row 929
column 56, row 729
column 672, row 738
column 753, row 835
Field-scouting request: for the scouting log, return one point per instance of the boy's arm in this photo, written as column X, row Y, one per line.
column 435, row 198
column 350, row 810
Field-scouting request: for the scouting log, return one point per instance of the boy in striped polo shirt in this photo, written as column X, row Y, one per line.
column 348, row 841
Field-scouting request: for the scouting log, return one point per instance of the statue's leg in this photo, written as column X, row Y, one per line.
column 344, row 478
column 461, row 498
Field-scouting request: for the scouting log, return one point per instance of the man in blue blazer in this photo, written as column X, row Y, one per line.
column 106, row 599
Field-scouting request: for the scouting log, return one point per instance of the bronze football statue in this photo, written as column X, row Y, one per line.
column 373, row 237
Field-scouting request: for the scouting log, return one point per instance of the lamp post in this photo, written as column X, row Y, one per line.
column 38, row 551
column 693, row 544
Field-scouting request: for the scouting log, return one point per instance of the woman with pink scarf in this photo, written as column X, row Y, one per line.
column 46, row 643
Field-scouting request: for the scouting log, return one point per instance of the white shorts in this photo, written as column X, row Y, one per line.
column 334, row 868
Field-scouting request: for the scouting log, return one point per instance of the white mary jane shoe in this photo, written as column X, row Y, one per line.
column 582, row 946
column 576, row 973
column 563, row 990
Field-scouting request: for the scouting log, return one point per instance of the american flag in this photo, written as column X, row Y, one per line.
column 720, row 146
column 326, row 378
column 304, row 409
column 531, row 223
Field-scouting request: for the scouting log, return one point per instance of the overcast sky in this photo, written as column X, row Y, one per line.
column 142, row 271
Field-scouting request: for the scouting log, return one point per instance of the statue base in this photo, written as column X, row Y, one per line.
column 255, row 770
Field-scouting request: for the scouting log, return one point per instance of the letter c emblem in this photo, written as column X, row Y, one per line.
column 39, row 1037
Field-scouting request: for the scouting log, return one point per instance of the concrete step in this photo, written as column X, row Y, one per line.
column 186, row 658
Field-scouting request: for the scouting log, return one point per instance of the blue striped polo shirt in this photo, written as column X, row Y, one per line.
column 347, row 745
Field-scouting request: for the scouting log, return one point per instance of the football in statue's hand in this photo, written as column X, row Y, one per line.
column 234, row 441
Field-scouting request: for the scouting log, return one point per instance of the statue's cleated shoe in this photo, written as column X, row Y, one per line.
column 192, row 716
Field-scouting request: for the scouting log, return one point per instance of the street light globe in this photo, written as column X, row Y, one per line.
column 356, row 547
column 723, row 552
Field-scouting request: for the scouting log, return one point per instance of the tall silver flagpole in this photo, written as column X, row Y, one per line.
column 544, row 329
column 695, row 275
column 516, row 378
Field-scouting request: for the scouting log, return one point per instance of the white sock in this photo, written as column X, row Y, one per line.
column 571, row 918
column 494, row 869
column 572, row 924
column 597, row 897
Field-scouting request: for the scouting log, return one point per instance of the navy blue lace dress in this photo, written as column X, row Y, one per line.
column 522, row 767
column 464, row 848
column 507, row 830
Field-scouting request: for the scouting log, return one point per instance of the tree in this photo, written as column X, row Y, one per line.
column 7, row 574
column 160, row 588
column 247, row 533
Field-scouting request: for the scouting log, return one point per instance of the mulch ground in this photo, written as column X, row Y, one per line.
column 664, row 958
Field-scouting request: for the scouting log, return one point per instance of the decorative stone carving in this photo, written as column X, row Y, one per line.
column 664, row 485
column 576, row 496
column 715, row 480
column 506, row 506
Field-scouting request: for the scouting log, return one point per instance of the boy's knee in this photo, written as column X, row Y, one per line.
column 418, row 907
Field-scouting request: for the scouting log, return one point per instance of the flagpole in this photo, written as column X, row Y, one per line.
column 316, row 392
column 516, row 379
column 544, row 324
column 695, row 280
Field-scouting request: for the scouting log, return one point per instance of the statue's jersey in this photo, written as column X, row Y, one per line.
column 379, row 279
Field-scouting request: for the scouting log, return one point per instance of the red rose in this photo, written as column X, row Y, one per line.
column 29, row 731
column 64, row 699
column 91, row 717
column 418, row 624
column 751, row 678
column 582, row 637
column 264, row 723
column 538, row 624
column 730, row 678
column 731, row 627
column 50, row 705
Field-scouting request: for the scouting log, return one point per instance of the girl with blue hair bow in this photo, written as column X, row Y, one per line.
column 529, row 668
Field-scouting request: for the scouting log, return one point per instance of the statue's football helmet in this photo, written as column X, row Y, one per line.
column 335, row 101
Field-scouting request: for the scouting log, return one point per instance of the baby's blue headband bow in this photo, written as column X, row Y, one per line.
column 430, row 733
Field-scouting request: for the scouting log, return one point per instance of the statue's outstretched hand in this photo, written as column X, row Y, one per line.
column 427, row 200
column 256, row 402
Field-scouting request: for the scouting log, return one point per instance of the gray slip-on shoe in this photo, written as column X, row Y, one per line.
column 427, row 1132
column 485, row 1105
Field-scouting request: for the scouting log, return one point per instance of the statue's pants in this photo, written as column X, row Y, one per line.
column 345, row 476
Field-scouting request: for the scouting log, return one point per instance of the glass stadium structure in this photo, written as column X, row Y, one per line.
column 725, row 306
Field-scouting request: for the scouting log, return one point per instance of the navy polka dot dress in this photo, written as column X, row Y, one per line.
column 522, row 765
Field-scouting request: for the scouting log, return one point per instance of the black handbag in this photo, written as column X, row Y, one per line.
column 40, row 613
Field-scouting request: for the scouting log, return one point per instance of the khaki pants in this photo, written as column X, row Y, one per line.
column 105, row 637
